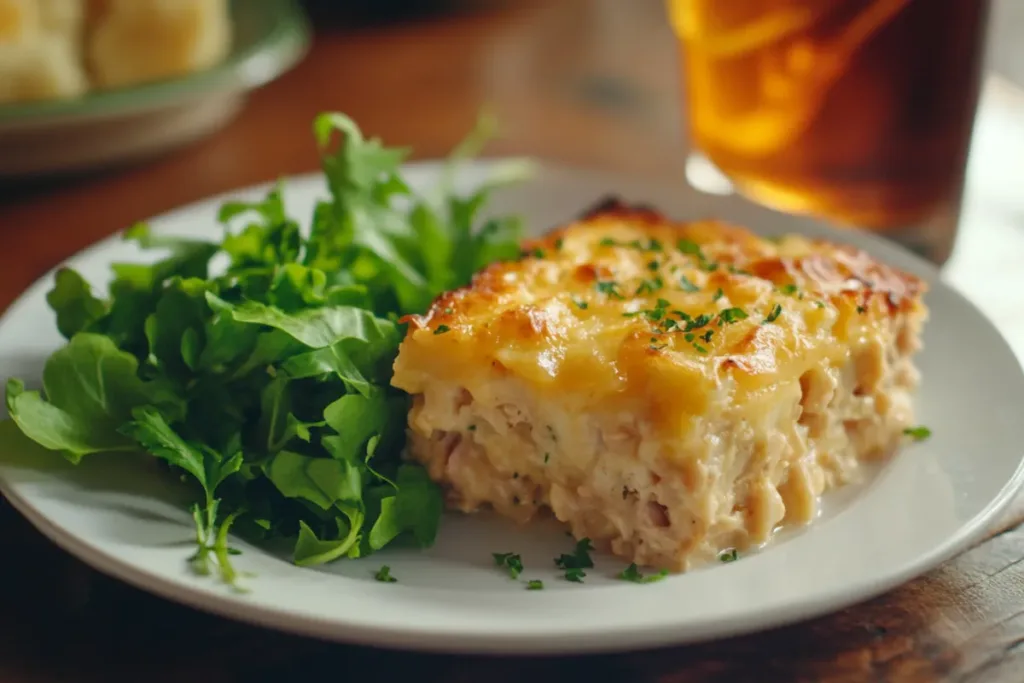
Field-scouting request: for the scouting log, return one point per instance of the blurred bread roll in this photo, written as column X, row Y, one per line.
column 134, row 41
column 40, row 50
column 47, row 67
column 62, row 18
column 19, row 20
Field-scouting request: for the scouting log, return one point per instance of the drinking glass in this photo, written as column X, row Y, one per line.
column 856, row 111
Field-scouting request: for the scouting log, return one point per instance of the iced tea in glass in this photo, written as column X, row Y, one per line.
column 859, row 111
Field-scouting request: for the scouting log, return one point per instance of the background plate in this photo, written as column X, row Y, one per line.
column 124, row 124
column 125, row 519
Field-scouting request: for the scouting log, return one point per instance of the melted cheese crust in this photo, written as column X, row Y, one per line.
column 626, row 311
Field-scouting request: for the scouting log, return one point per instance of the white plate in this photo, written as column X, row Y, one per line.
column 923, row 507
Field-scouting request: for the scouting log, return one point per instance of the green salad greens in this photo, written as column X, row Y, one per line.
column 266, row 385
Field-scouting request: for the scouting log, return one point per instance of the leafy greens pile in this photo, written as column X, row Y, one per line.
column 269, row 383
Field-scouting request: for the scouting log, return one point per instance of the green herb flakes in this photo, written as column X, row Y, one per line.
column 534, row 585
column 730, row 555
column 687, row 285
column 732, row 315
column 575, row 575
column 919, row 433
column 632, row 573
column 698, row 322
column 384, row 575
column 511, row 562
column 609, row 288
column 650, row 286
column 690, row 248
column 579, row 558
column 441, row 329
column 774, row 315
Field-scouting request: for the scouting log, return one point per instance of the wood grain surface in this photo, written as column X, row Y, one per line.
column 583, row 81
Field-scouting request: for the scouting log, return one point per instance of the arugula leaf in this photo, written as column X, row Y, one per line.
column 72, row 299
column 91, row 387
column 416, row 508
column 311, row 550
column 173, row 329
column 59, row 430
column 319, row 327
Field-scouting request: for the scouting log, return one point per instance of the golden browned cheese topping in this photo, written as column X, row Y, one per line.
column 624, row 309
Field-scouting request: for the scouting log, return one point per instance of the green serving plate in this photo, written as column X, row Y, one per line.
column 119, row 125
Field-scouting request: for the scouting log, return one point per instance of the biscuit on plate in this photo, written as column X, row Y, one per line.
column 138, row 41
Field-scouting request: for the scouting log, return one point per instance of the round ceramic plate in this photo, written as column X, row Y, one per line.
column 124, row 124
column 928, row 503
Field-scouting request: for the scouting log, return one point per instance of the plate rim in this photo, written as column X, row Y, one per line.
column 286, row 619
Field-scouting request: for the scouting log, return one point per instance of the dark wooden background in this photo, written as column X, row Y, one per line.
column 586, row 81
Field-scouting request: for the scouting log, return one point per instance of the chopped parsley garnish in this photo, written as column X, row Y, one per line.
column 653, row 266
column 471, row 428
column 707, row 335
column 547, row 456
column 732, row 315
column 384, row 575
column 651, row 245
column 861, row 309
column 698, row 322
column 774, row 315
column 700, row 349
column 441, row 329
column 632, row 573
column 538, row 253
column 534, row 585
column 689, row 336
column 690, row 248
column 609, row 287
column 578, row 559
column 449, row 311
column 510, row 562
column 650, row 286
column 919, row 433
column 580, row 304
column 718, row 294
column 558, row 243
column 729, row 555
column 737, row 271
column 688, row 286
column 575, row 575
column 819, row 304
column 788, row 289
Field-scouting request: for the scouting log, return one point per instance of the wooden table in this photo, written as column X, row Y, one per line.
column 585, row 81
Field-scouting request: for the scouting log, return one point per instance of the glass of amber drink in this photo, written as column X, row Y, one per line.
column 856, row 111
